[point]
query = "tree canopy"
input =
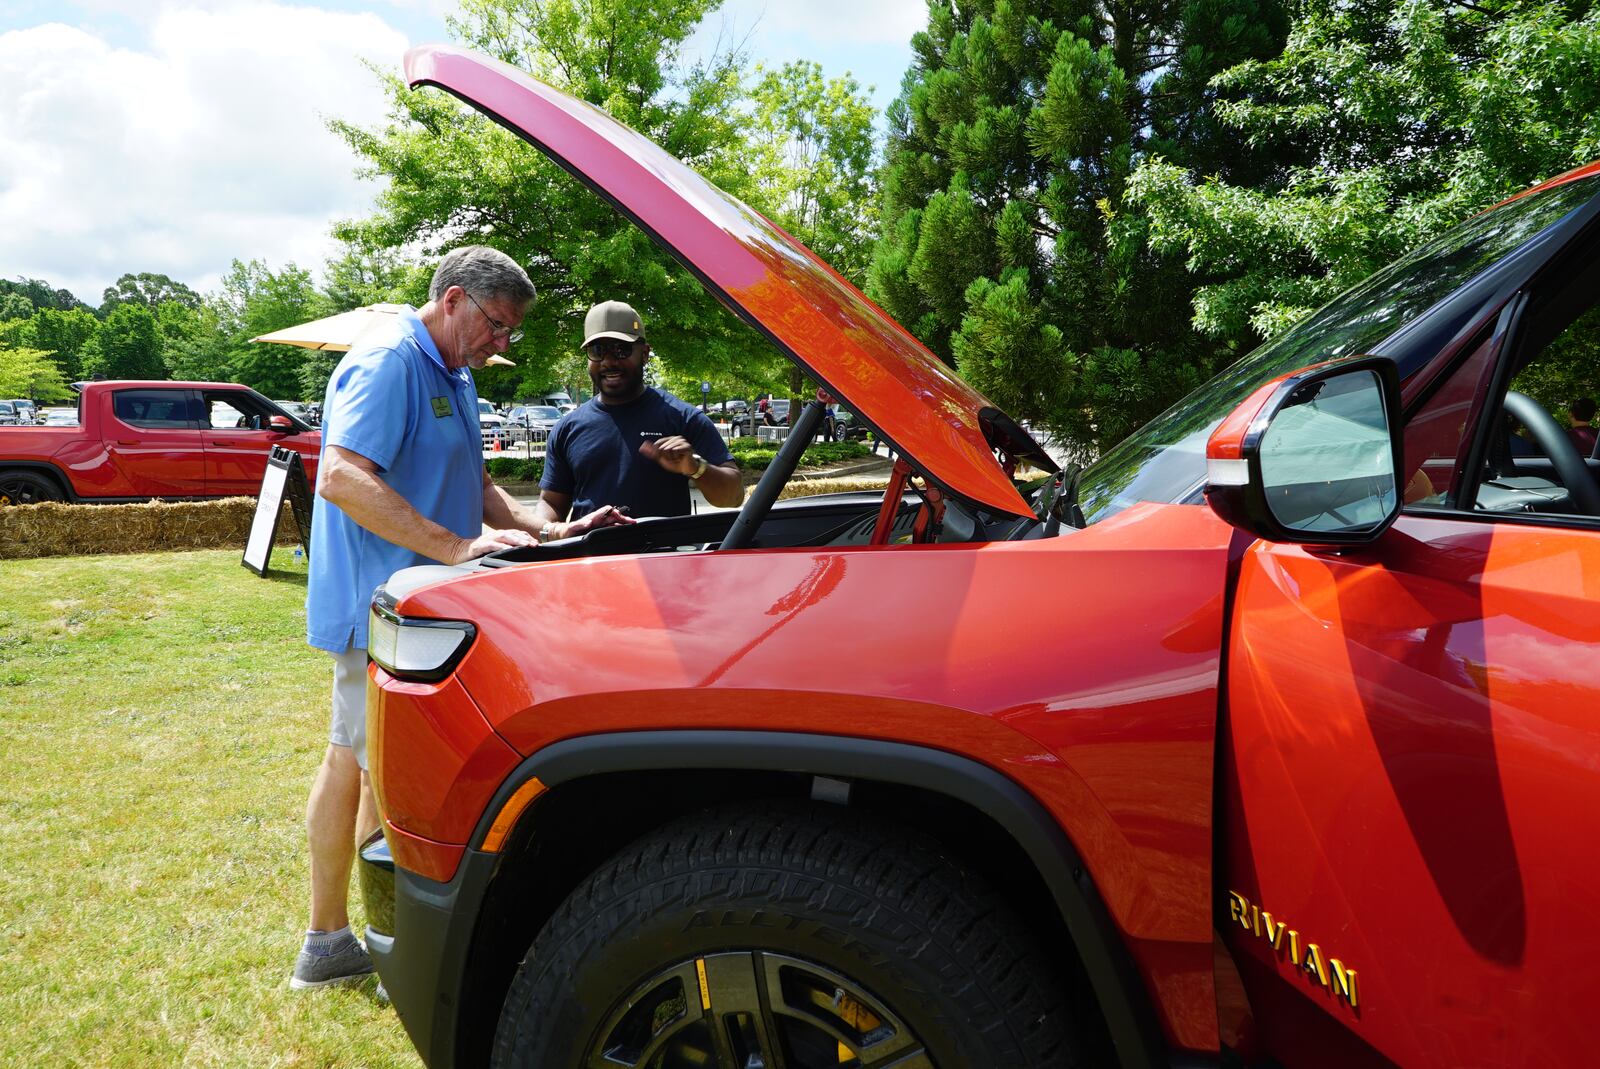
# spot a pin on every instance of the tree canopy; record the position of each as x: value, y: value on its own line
x: 1387, y: 124
x: 453, y: 177
x: 1008, y: 243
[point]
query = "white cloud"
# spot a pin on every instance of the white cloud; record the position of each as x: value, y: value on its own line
x: 205, y: 143
x: 889, y: 22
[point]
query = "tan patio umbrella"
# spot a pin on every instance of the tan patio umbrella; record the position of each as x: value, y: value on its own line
x: 340, y: 332
x: 336, y: 331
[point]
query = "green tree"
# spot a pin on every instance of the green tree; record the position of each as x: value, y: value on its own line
x: 1390, y: 123
x: 811, y: 162
x: 193, y: 343
x: 31, y: 373
x: 256, y: 300
x: 127, y: 346
x: 66, y: 334
x: 454, y: 177
x: 40, y: 294
x: 811, y: 155
x: 1007, y: 242
x: 148, y: 289
x: 14, y: 306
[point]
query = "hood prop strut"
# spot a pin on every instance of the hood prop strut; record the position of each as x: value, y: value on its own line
x: 743, y: 531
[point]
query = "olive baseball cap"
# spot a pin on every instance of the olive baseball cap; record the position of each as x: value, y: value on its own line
x: 612, y: 319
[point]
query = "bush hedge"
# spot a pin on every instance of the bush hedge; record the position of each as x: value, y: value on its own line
x: 515, y: 469
x: 755, y: 455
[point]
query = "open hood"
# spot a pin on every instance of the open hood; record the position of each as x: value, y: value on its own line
x: 939, y: 423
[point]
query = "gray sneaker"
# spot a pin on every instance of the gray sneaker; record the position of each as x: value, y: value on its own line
x: 345, y: 966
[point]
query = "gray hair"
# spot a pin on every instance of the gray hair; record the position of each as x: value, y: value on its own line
x: 485, y: 273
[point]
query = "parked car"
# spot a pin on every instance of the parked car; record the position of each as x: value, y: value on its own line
x: 301, y: 411
x: 27, y: 412
x: 492, y: 423
x: 771, y: 413
x: 136, y: 440
x: 535, y: 421
x: 1266, y: 740
x: 8, y: 415
x: 61, y: 417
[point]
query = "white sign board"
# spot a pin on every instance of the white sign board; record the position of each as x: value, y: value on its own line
x: 264, y: 525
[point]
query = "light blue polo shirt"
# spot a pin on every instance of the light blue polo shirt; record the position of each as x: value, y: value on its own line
x: 393, y: 402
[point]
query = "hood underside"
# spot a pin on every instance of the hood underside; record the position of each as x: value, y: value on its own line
x: 933, y: 418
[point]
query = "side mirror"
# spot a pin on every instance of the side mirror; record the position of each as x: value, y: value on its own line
x: 1313, y: 457
x: 281, y: 424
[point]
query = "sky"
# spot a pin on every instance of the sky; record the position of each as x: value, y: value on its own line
x: 173, y: 136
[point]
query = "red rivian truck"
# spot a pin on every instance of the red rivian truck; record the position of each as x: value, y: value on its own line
x: 1270, y: 738
x: 138, y: 440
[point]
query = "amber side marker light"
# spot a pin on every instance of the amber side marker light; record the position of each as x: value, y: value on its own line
x: 515, y: 806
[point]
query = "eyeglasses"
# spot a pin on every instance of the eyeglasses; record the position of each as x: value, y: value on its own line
x: 500, y: 329
x: 610, y: 349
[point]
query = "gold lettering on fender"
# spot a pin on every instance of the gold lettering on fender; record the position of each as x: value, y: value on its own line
x: 1275, y: 930
x: 1238, y: 908
x: 1330, y: 973
x: 1344, y: 982
x: 1316, y: 964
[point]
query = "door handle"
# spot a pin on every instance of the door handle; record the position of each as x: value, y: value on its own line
x: 127, y: 441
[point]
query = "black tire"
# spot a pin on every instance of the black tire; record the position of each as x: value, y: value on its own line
x: 830, y: 929
x: 26, y: 488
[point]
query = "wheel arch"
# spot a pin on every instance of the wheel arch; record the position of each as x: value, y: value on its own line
x: 913, y: 783
x: 43, y: 467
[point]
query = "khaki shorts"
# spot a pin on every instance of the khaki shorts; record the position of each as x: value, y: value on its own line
x: 348, y: 726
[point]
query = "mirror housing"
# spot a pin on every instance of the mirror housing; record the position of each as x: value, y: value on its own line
x: 1313, y: 457
x: 281, y: 424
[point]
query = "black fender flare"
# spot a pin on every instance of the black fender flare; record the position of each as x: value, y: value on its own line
x: 48, y: 470
x: 1117, y: 986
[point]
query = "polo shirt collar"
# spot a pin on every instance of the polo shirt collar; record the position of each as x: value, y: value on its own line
x: 419, y: 331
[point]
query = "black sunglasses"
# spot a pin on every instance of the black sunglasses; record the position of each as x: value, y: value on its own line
x: 610, y: 349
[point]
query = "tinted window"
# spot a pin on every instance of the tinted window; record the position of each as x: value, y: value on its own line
x: 1165, y: 460
x: 152, y: 408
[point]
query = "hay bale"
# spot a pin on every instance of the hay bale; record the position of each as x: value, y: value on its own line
x: 842, y: 484
x: 52, y: 529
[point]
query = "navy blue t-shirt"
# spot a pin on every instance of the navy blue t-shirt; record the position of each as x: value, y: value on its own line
x: 593, y: 454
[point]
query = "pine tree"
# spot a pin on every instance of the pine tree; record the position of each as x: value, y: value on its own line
x: 1007, y: 242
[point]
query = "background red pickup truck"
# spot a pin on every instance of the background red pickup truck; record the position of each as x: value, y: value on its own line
x: 139, y: 440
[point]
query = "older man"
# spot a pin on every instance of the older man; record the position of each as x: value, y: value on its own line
x: 401, y: 482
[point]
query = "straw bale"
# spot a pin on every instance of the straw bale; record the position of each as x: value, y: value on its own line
x: 53, y: 529
x: 842, y: 484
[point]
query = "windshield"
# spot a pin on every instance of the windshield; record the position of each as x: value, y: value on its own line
x: 1166, y: 460
x: 485, y: 408
x: 545, y: 413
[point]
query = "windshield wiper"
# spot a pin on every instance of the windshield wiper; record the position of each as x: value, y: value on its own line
x: 1055, y: 502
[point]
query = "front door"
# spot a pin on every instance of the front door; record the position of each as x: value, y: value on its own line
x: 1411, y: 751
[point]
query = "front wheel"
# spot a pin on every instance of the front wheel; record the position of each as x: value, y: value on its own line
x: 26, y: 488
x: 784, y: 936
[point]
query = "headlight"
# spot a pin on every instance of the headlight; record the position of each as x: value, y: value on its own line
x: 424, y: 650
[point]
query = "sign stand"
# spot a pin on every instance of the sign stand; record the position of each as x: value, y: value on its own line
x: 285, y: 474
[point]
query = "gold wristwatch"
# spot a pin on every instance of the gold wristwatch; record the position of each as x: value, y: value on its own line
x: 700, y: 466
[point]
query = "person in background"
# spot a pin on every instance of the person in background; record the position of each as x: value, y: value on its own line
x: 1582, y: 431
x: 630, y: 446
x: 400, y: 482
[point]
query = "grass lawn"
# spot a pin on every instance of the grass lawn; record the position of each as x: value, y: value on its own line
x: 160, y: 721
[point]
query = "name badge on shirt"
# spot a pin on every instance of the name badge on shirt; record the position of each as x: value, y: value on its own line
x: 441, y: 407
